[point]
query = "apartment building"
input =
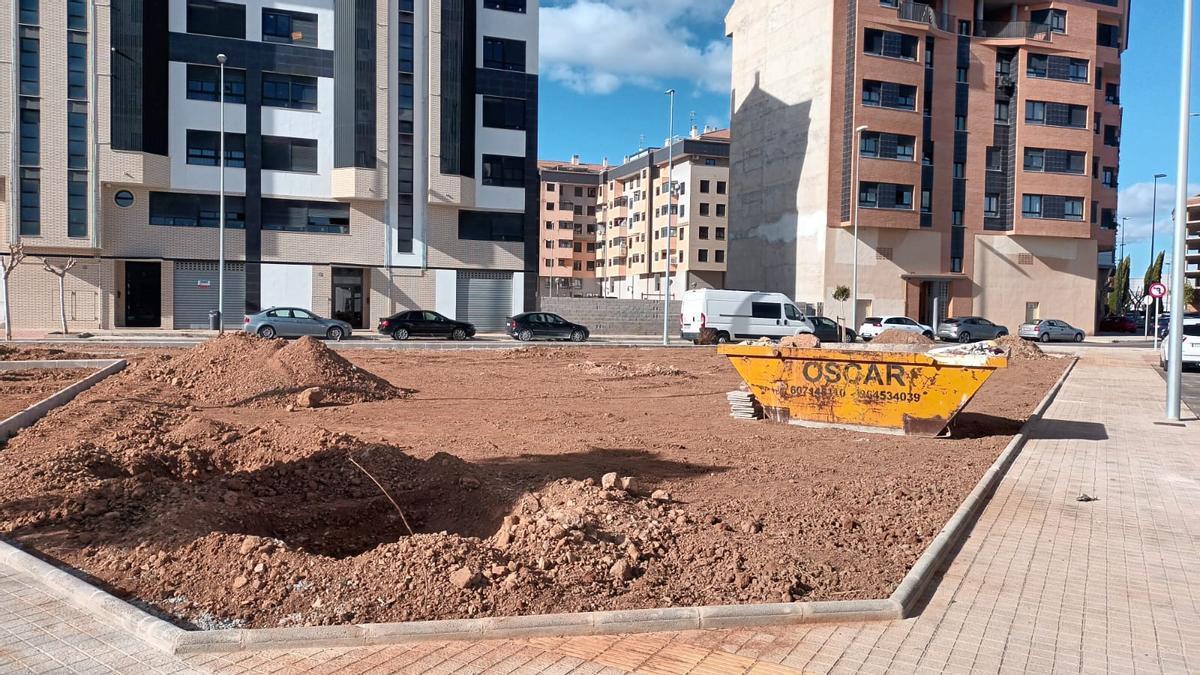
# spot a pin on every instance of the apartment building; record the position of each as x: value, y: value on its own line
x: 976, y: 142
x: 637, y: 210
x: 378, y: 155
x: 570, y: 199
x: 1191, y: 271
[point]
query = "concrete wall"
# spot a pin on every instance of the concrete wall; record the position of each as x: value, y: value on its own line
x: 610, y: 316
x: 1056, y: 272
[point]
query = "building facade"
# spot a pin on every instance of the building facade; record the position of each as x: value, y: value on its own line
x: 379, y: 155
x: 1191, y: 271
x: 570, y: 199
x: 636, y: 210
x: 975, y: 141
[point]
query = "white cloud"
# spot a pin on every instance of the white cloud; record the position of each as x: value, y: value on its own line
x: 1136, y: 203
x: 598, y: 46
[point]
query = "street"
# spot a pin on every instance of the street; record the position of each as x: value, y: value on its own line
x: 1190, y: 392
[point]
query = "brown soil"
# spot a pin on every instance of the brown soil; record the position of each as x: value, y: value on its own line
x: 234, y: 515
x: 20, y: 389
x: 895, y: 336
x: 8, y: 353
x: 1020, y: 349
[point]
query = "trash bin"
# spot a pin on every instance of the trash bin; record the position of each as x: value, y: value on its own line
x: 214, y: 320
x: 885, y: 389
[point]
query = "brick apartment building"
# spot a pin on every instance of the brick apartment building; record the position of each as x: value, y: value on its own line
x: 986, y: 178
x: 619, y: 219
x: 380, y: 155
x: 1191, y: 272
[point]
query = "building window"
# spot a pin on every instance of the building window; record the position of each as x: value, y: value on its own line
x: 281, y: 153
x: 1001, y: 112
x: 721, y: 187
x: 28, y: 12
x: 1108, y: 35
x: 704, y: 186
x: 505, y: 5
x: 504, y: 113
x: 504, y: 171
x: 223, y: 19
x: 298, y: 92
x: 1031, y: 206
x: 203, y: 146
x: 891, y: 44
x: 77, y: 195
x: 991, y: 205
x: 192, y: 210
x: 956, y: 217
x: 960, y: 170
x: 1112, y: 135
x: 123, y: 199
x: 702, y: 255
x: 77, y: 65
x: 889, y: 95
x: 885, y: 196
x: 960, y: 122
x: 549, y: 188
x: 887, y: 146
x: 486, y: 226
x: 1035, y: 159
x: 291, y: 28
x: 703, y: 233
x: 1056, y: 114
x: 926, y: 200
x: 203, y: 81
x: 1112, y: 93
x: 503, y: 54
x: 31, y: 202
x: 30, y: 68
x: 704, y: 208
x: 77, y: 135
x: 76, y: 14
x: 304, y: 216
x: 31, y: 133
x: 1057, y: 67
x: 1054, y: 19
x: 720, y: 210
x: 1110, y: 177
x: 995, y: 158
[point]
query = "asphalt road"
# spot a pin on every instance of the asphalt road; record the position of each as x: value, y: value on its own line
x: 1190, y: 392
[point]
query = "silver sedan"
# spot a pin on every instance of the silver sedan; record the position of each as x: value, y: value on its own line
x: 1050, y: 330
x: 294, y: 322
x: 969, y: 329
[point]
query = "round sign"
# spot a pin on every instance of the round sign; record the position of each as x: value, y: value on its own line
x: 1157, y: 290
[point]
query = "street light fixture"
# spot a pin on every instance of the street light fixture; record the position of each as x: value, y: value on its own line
x: 854, y: 214
x: 670, y: 215
x: 221, y: 208
x: 1179, y: 253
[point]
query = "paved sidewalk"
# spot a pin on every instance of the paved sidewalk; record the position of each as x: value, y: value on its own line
x: 1044, y: 583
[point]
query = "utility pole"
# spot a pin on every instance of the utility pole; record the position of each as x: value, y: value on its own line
x: 854, y: 188
x: 670, y: 216
x: 221, y: 212
x: 1179, y: 253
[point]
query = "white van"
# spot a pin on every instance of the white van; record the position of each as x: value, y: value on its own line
x: 740, y: 315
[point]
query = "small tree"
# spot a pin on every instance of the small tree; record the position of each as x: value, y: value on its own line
x: 1189, y: 295
x: 1118, y: 298
x: 16, y: 253
x: 841, y: 294
x: 61, y: 273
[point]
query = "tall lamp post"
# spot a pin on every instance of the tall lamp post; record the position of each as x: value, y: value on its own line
x: 670, y: 215
x: 1179, y: 253
x: 221, y: 208
x: 854, y: 214
x: 1123, y: 219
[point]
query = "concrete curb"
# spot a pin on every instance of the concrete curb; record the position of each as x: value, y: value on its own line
x: 174, y: 640
x: 35, y: 412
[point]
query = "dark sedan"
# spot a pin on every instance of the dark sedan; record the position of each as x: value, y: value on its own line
x: 545, y: 326
x: 423, y: 323
x: 1118, y: 324
x: 828, y: 330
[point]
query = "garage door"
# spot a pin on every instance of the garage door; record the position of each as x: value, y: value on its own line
x: 485, y: 299
x: 196, y: 293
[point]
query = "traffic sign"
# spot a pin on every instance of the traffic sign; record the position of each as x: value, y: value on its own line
x: 1158, y: 290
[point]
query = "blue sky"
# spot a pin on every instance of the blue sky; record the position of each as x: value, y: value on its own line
x: 606, y: 63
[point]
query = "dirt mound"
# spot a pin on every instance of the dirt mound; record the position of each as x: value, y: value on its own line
x: 9, y: 353
x: 618, y: 370
x: 895, y: 336
x: 539, y: 353
x: 802, y: 341
x: 240, y: 369
x: 1020, y: 349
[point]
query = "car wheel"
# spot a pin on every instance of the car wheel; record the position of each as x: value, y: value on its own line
x: 400, y: 334
x: 335, y: 333
x: 928, y: 334
x: 525, y: 335
x: 459, y: 334
x: 722, y: 338
x: 1162, y: 363
x: 1079, y: 337
x: 267, y: 332
x: 964, y: 337
x: 1044, y: 337
x: 1001, y: 334
x: 578, y: 336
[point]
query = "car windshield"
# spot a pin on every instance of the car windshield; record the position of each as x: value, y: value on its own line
x: 871, y: 319
x: 951, y: 320
x: 1192, y: 330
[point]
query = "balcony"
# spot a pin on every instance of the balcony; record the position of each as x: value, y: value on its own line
x: 1012, y: 30
x: 920, y: 12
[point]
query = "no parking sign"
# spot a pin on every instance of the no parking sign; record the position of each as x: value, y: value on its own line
x: 1158, y: 289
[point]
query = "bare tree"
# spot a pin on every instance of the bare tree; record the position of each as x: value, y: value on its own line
x: 61, y: 273
x: 16, y: 253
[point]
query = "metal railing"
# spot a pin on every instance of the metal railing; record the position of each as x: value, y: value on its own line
x: 1016, y: 30
x: 920, y: 12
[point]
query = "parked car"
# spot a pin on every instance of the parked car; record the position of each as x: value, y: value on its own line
x: 424, y: 323
x: 969, y: 329
x: 294, y: 322
x: 1118, y: 324
x: 740, y: 315
x: 1164, y: 322
x: 828, y: 330
x: 1191, y: 345
x: 874, y: 325
x: 545, y: 326
x: 1050, y: 330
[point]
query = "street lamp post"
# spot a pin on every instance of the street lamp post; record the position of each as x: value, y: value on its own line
x: 670, y: 215
x: 1179, y: 252
x: 854, y: 214
x: 1123, y: 219
x: 221, y: 207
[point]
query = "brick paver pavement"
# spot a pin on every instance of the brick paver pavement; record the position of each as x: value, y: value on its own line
x: 1044, y: 583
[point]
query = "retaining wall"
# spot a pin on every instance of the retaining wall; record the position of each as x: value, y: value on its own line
x: 612, y: 316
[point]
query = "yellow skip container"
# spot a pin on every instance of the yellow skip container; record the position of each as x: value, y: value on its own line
x: 891, y: 389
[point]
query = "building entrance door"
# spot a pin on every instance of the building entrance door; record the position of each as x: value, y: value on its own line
x: 348, y: 295
x: 143, y: 294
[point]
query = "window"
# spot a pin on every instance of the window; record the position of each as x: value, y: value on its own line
x: 77, y: 66
x: 720, y: 210
x: 1112, y: 135
x: 703, y: 233
x: 960, y: 170
x: 192, y: 210
x: 995, y: 158
x: 30, y: 68
x: 504, y: 171
x: 721, y: 187
x: 1035, y: 159
x: 708, y: 161
x: 1058, y: 67
x: 702, y: 255
x: 1054, y: 19
x: 1056, y: 114
x: 31, y: 135
x: 203, y: 146
x: 549, y: 188
x: 889, y: 95
x: 887, y: 146
x: 503, y: 54
x: 28, y: 12
x: 77, y: 135
x: 505, y: 5
x: 123, y: 199
x: 77, y: 196
x: 1031, y: 206
x: 203, y: 81
x: 578, y: 192
x: 1112, y: 93
x: 719, y: 257
x: 704, y: 208
x: 549, y: 244
x: 76, y: 13
x: 888, y: 43
x: 281, y: 153
x: 1110, y: 177
x: 1001, y: 112
x: 704, y: 186
x: 223, y: 19
x: 289, y: 91
x: 504, y: 113
x: 31, y: 202
x: 927, y: 153
x: 885, y: 196
x: 303, y: 216
x: 291, y: 28
x: 960, y: 74
x: 991, y: 205
x: 1108, y: 35
x: 926, y: 200
x: 960, y: 122
x: 765, y: 310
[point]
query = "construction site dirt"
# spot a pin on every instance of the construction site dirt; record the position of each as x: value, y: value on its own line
x: 20, y: 389
x: 452, y: 484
